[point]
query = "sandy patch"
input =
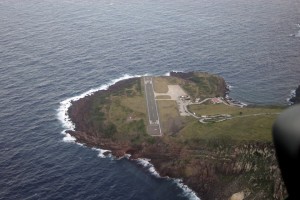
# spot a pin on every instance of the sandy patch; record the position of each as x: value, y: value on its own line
x: 238, y: 196
x: 174, y: 91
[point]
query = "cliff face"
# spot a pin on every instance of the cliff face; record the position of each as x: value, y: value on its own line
x: 296, y: 98
x: 213, y: 172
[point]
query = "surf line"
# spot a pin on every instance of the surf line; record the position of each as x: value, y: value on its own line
x: 62, y: 111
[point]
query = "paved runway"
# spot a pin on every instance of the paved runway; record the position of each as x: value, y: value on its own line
x: 154, y: 125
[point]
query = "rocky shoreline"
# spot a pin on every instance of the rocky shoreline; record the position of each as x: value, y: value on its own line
x: 296, y: 97
x: 207, y: 174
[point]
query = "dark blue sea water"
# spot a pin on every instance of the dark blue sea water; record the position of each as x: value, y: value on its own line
x: 52, y: 50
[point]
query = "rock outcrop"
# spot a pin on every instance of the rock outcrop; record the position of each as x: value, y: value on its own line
x: 296, y: 98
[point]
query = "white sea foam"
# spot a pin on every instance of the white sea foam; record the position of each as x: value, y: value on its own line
x: 101, y: 152
x: 62, y: 111
x: 186, y: 190
x: 69, y: 138
x: 146, y: 163
x: 190, y: 194
x: 167, y: 74
x: 229, y: 86
x: 127, y: 156
x: 177, y: 71
x: 236, y: 102
x: 291, y: 95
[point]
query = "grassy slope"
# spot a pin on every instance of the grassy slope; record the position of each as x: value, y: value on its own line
x: 242, y: 128
x: 213, y: 109
x: 253, y: 128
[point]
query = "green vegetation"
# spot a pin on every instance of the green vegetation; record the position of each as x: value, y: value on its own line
x: 204, y: 85
x: 120, y: 115
x: 252, y: 128
x: 168, y: 112
x: 163, y: 97
x: 214, y: 109
x: 218, y: 151
x: 160, y: 84
x: 123, y: 113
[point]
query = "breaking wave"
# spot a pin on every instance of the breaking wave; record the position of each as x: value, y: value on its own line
x: 146, y: 164
x: 186, y: 190
x: 62, y: 111
x: 102, y: 152
x: 291, y: 95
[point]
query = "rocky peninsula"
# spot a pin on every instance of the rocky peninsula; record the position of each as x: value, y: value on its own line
x: 220, y: 159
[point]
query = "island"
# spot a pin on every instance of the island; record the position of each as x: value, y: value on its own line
x: 189, y: 129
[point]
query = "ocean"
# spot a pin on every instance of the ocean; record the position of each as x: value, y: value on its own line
x: 54, y: 50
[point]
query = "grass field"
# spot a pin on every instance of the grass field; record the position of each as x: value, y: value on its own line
x: 137, y: 103
x: 160, y: 84
x: 214, y: 109
x: 253, y: 128
x: 243, y: 128
x: 163, y: 97
x: 167, y: 111
x: 120, y: 114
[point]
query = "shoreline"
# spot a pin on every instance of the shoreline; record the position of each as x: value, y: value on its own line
x: 68, y: 125
x: 152, y: 161
x: 62, y: 111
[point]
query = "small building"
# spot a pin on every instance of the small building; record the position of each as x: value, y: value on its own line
x: 216, y: 100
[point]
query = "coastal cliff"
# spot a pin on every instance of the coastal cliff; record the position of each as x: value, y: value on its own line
x: 215, y: 168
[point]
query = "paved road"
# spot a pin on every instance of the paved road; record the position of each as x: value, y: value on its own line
x: 154, y: 125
